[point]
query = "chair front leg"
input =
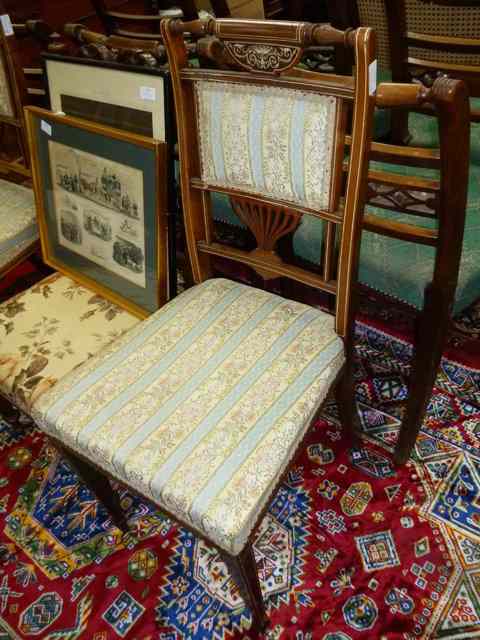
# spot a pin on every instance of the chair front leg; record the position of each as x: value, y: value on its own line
x: 99, y: 485
x: 244, y: 571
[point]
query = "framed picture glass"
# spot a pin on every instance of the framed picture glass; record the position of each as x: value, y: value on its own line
x: 131, y: 98
x: 101, y: 201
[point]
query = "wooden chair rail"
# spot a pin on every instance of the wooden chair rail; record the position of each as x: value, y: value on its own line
x: 400, y: 230
x: 339, y: 89
x: 331, y: 216
x: 265, y: 266
x: 448, y: 43
x: 300, y: 34
x: 397, y: 154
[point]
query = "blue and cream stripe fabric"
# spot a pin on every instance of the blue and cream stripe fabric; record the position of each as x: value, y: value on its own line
x: 201, y: 406
x: 271, y: 141
x: 18, y: 220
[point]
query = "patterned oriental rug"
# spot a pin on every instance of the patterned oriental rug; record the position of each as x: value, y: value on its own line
x: 352, y: 547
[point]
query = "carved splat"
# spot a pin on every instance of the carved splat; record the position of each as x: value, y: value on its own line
x: 268, y: 224
x: 263, y: 57
x: 423, y: 203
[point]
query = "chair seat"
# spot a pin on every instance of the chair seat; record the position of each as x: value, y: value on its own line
x: 48, y: 330
x: 201, y: 407
x: 18, y: 224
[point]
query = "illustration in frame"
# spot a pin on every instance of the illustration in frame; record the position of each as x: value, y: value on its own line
x: 102, y: 207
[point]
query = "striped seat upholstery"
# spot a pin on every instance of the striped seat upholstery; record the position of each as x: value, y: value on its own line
x: 18, y: 223
x: 201, y: 406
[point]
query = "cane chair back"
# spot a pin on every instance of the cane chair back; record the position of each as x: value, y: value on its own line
x: 424, y: 35
x: 272, y: 138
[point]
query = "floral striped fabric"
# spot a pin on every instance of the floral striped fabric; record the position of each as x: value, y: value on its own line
x: 201, y: 406
x: 18, y: 220
x: 270, y: 141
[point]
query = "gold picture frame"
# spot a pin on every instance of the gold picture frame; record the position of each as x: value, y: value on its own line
x: 102, y: 207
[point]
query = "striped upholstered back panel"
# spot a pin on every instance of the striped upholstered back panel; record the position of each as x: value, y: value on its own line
x: 270, y: 141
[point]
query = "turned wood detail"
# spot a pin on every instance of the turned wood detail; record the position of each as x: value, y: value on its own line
x: 98, y: 46
x: 272, y: 47
x: 268, y: 223
x: 415, y: 201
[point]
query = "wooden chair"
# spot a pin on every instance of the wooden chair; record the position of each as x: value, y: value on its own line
x: 226, y: 339
x: 178, y: 376
x: 419, y: 40
x: 442, y: 200
x: 21, y: 83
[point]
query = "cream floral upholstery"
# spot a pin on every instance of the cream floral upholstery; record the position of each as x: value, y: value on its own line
x: 50, y: 329
x: 205, y: 402
x: 18, y: 224
x: 267, y: 140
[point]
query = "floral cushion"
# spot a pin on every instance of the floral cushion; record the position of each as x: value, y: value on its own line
x: 50, y: 329
x: 202, y: 406
x: 18, y: 224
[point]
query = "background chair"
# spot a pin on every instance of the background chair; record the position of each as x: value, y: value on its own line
x: 22, y: 82
x: 429, y: 212
x: 419, y: 40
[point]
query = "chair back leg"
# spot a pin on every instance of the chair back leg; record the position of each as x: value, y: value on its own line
x: 243, y: 569
x: 431, y: 337
x: 100, y: 486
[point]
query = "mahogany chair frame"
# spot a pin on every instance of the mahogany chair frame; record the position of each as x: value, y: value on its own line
x: 446, y: 202
x: 435, y: 318
x: 270, y: 219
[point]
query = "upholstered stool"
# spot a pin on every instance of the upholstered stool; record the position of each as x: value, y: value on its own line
x: 18, y: 224
x: 48, y: 330
x: 201, y: 407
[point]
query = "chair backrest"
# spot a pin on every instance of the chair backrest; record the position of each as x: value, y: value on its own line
x: 21, y: 83
x: 271, y: 136
x: 443, y: 35
x: 440, y: 199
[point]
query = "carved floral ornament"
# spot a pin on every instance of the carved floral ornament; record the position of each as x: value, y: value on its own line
x: 263, y: 57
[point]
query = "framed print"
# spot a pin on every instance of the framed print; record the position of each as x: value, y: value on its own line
x: 123, y: 96
x: 131, y: 98
x: 101, y: 205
